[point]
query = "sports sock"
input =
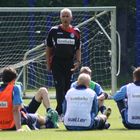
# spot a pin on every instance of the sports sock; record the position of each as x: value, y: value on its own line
x: 102, y: 109
x: 48, y: 109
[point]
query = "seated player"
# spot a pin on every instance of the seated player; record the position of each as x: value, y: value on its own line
x: 42, y: 97
x: 128, y: 102
x: 12, y: 109
x: 81, y: 107
x: 101, y: 95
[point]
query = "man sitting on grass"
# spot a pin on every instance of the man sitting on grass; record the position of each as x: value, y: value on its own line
x: 128, y: 102
x: 13, y: 114
x: 81, y: 107
x: 101, y: 95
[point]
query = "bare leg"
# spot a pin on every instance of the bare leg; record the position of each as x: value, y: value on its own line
x: 42, y: 96
x: 101, y: 99
x: 101, y: 103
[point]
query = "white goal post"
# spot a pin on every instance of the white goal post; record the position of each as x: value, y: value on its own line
x: 23, y: 31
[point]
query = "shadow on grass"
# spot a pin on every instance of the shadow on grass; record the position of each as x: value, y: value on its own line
x: 111, y: 129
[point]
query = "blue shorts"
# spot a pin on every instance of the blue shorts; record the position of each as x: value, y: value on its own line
x: 126, y: 123
x: 123, y: 110
x: 99, y: 123
x: 31, y: 120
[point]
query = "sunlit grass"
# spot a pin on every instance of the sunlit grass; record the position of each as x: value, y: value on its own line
x: 116, y: 131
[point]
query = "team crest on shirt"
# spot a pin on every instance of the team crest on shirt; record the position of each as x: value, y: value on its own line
x: 3, y: 104
x: 72, y: 35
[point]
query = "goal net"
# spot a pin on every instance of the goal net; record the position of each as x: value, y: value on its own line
x: 24, y: 30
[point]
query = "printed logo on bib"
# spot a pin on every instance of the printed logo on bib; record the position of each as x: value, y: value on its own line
x: 76, y: 119
x: 65, y: 41
x: 3, y: 104
x: 135, y: 117
x: 136, y: 95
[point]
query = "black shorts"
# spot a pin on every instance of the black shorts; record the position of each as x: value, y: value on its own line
x: 33, y: 106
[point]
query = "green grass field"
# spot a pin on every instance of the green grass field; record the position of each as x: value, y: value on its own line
x: 116, y: 131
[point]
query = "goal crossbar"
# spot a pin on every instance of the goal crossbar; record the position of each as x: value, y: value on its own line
x: 31, y: 25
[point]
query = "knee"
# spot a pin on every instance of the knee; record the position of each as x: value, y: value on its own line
x: 42, y: 92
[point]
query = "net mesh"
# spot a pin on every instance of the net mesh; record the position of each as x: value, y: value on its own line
x: 23, y: 31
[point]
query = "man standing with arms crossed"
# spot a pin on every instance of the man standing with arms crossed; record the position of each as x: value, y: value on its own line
x: 63, y: 46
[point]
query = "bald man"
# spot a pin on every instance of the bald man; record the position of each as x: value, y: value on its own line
x: 81, y: 107
x: 63, y: 54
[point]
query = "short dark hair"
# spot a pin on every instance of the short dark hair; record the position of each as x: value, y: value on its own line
x: 136, y: 74
x: 8, y: 75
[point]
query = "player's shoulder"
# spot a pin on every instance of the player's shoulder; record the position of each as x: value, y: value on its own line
x: 18, y: 87
x: 53, y: 30
x: 90, y: 91
x: 97, y: 84
x: 74, y: 84
x: 129, y: 85
x: 72, y: 89
x: 54, y: 27
x: 76, y: 29
x: 17, y: 90
x: 92, y: 82
x: 70, y: 92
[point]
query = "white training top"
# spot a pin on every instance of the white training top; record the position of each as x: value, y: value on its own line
x: 79, y: 106
x: 133, y: 93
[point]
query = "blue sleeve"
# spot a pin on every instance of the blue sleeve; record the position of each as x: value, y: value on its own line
x: 95, y: 106
x: 17, y: 98
x: 20, y: 85
x: 73, y: 85
x: 64, y: 106
x: 121, y: 94
x: 98, y: 89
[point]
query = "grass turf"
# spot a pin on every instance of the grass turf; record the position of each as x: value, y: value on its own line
x: 116, y: 131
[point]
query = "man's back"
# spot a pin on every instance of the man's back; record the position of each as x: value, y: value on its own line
x: 133, y: 95
x: 81, y: 104
x: 6, y: 105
